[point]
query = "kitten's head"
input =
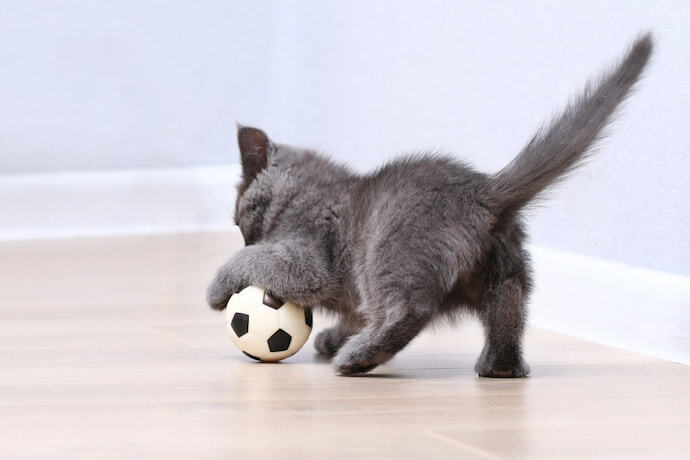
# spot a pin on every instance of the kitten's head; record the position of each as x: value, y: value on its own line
x: 280, y: 193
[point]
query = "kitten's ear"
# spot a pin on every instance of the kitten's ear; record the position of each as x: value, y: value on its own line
x: 255, y: 148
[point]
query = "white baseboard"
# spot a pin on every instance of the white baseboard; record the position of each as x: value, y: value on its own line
x: 632, y: 308
x: 117, y: 202
x: 645, y: 311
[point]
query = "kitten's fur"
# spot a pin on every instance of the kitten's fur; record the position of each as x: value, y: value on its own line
x: 422, y: 237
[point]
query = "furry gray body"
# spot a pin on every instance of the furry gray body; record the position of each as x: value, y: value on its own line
x: 422, y: 237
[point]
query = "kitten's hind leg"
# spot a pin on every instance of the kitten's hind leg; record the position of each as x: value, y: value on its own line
x: 382, y: 337
x: 503, y: 315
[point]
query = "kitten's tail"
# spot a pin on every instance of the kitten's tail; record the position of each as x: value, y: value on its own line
x: 564, y: 143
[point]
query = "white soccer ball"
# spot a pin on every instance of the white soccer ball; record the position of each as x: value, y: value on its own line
x: 264, y: 328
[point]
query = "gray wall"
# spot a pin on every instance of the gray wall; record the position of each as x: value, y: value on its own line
x: 142, y: 84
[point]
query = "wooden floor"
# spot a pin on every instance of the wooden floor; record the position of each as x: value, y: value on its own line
x: 107, y: 350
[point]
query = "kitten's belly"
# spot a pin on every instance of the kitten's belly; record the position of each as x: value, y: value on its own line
x: 463, y: 295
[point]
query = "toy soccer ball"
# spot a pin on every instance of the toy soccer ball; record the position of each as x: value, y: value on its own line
x: 264, y: 328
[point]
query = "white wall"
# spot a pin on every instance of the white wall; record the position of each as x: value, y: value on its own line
x: 123, y: 84
x: 99, y: 85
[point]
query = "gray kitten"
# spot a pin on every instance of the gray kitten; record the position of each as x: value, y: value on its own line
x: 420, y: 238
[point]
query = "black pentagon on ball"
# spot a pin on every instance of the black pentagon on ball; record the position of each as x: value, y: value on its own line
x: 270, y: 300
x: 279, y: 341
x: 308, y: 316
x: 240, y: 324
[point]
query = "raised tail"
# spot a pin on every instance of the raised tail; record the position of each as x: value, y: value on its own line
x: 561, y: 145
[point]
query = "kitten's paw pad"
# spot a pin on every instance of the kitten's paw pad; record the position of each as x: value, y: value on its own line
x: 358, y: 362
x: 499, y: 374
x: 354, y: 368
x: 519, y: 371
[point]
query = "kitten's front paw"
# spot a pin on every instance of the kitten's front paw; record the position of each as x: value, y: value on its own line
x: 329, y: 341
x: 219, y: 292
x: 217, y: 303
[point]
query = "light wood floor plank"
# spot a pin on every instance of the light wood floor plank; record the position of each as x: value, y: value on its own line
x: 108, y: 351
